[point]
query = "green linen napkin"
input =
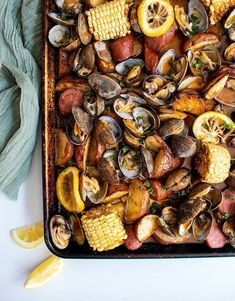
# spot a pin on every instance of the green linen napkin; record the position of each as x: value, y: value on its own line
x: 20, y: 37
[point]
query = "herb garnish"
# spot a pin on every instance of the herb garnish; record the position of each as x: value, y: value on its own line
x: 154, y: 208
x: 196, y: 64
x: 125, y: 150
x: 193, y: 17
x: 65, y: 16
x: 150, y: 189
x: 227, y: 126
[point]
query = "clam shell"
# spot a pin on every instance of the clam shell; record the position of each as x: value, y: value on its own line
x: 59, y: 35
x: 124, y: 67
x: 198, y: 15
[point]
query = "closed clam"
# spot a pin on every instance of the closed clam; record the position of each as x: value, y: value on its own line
x: 79, y: 127
x: 84, y: 63
x: 143, y: 122
x: 83, y: 29
x: 102, y: 51
x: 105, y: 86
x: 169, y: 215
x: 157, y: 90
x: 179, y: 179
x: 229, y: 53
x: 182, y: 146
x: 170, y: 127
x: 108, y: 131
x: 59, y: 35
x: 60, y: 231
x: 129, y: 162
x: 201, y: 226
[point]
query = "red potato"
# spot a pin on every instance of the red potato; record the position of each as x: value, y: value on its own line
x: 132, y: 243
x: 64, y: 148
x: 216, y: 238
x: 63, y: 64
x: 159, y: 193
x: 163, y: 163
x: 228, y: 203
x: 72, y: 82
x: 158, y: 43
x: 122, y: 48
x: 81, y: 154
x: 116, y: 191
x: 137, y: 202
x: 151, y: 59
x: 145, y: 227
x: 68, y: 98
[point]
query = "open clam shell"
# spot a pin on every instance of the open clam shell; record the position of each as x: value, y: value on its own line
x: 198, y: 16
x: 70, y: 6
x: 148, y: 161
x: 125, y: 67
x: 165, y: 64
x: 60, y: 231
x: 77, y: 229
x: 84, y: 63
x: 201, y: 226
x: 59, y: 35
x: 129, y: 162
x: 125, y: 103
x: 58, y: 18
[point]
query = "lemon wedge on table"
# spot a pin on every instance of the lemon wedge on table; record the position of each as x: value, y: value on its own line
x: 44, y: 272
x: 155, y: 17
x: 212, y: 127
x: 28, y: 237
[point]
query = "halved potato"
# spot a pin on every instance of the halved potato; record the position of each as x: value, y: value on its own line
x: 72, y: 82
x: 145, y: 227
x: 163, y: 163
x: 116, y: 191
x: 137, y: 202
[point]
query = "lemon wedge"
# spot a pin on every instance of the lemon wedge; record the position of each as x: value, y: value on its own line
x: 28, y: 237
x: 44, y: 272
x: 155, y: 17
x: 213, y: 127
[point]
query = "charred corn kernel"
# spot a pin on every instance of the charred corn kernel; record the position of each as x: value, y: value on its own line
x: 103, y: 227
x: 213, y: 163
x: 217, y: 8
x: 109, y: 20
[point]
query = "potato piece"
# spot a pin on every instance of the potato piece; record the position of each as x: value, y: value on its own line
x: 64, y: 148
x: 163, y: 163
x: 116, y: 191
x: 73, y: 82
x: 145, y: 227
x: 159, y: 192
x: 122, y: 48
x: 81, y: 154
x: 189, y: 101
x: 132, y: 243
x: 137, y: 202
x: 63, y: 65
x: 157, y: 43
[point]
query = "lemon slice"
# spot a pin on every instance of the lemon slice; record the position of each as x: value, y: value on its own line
x: 44, y: 272
x: 212, y: 127
x: 155, y: 17
x: 67, y: 189
x: 28, y: 237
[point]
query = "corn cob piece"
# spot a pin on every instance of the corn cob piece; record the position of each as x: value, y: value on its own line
x: 103, y: 228
x: 217, y: 8
x: 213, y: 163
x: 109, y: 20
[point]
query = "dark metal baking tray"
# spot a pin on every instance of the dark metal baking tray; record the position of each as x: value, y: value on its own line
x: 51, y: 205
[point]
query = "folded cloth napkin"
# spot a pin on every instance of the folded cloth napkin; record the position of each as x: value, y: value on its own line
x: 20, y: 38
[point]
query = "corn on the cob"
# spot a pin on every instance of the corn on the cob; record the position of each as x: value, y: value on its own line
x: 217, y: 8
x: 213, y: 163
x: 109, y: 20
x: 103, y: 228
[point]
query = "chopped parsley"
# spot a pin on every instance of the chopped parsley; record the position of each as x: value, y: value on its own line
x: 228, y: 196
x: 89, y: 93
x: 223, y: 216
x: 142, y: 142
x: 140, y: 118
x: 195, y: 29
x: 125, y: 150
x: 147, y: 184
x: 227, y: 126
x: 150, y: 189
x: 65, y: 16
x: 196, y: 64
x: 154, y: 208
x: 193, y: 17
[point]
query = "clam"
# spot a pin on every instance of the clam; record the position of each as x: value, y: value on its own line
x: 158, y: 90
x: 129, y: 162
x: 108, y: 131
x: 125, y: 67
x: 79, y: 127
x: 131, y: 140
x: 134, y: 77
x: 61, y: 19
x: 73, y: 44
x: 60, y: 231
x: 229, y: 230
x: 230, y: 25
x: 231, y: 142
x: 179, y: 69
x: 105, y: 86
x: 208, y: 193
x: 201, y: 226
x: 94, y: 105
x: 229, y: 53
x: 171, y: 126
x: 198, y: 15
x: 206, y: 59
x: 125, y: 103
x: 94, y: 189
x: 143, y: 122
x: 83, y: 29
x: 169, y: 215
x: 70, y: 6
x: 184, y: 228
x: 103, y: 51
x: 182, y: 146
x: 195, y: 82
x: 137, y: 47
x: 77, y: 229
x: 148, y: 161
x: 108, y: 167
x: 165, y: 64
x: 167, y: 229
x: 59, y: 35
x: 84, y: 63
x: 179, y: 179
x: 189, y: 209
x: 183, y: 20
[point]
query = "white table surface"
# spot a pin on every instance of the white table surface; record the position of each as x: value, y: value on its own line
x: 88, y: 280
